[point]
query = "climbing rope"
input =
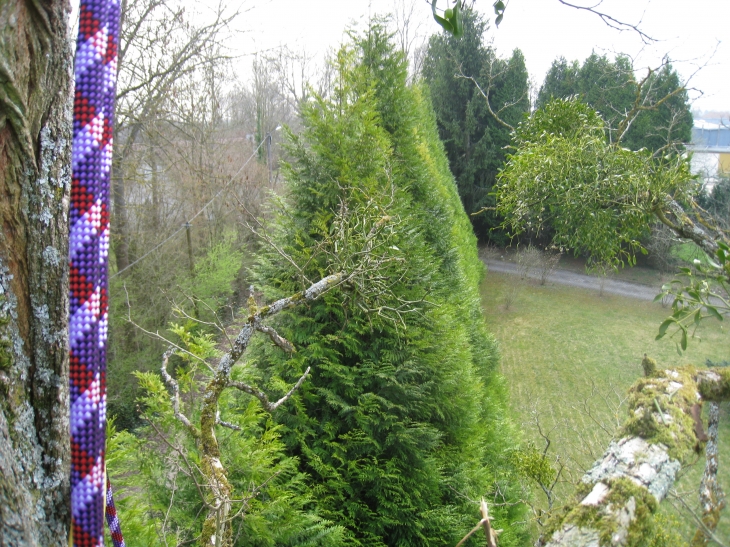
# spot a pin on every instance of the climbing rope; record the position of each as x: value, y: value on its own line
x: 95, y: 74
x: 111, y: 518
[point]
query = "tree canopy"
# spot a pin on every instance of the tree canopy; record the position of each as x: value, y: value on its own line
x: 655, y: 109
x: 404, y: 411
x: 473, y: 137
x: 595, y: 196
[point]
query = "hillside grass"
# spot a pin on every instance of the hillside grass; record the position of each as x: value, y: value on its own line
x: 568, y: 357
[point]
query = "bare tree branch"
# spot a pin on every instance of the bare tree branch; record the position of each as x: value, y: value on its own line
x: 261, y: 396
x: 176, y: 395
x: 670, y: 213
x: 276, y: 338
x: 612, y: 21
x: 485, y: 94
x: 485, y: 524
x: 709, y: 533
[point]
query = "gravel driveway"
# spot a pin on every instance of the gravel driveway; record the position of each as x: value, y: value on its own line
x: 584, y: 281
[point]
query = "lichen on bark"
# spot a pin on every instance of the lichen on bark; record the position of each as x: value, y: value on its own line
x: 616, y: 499
x: 620, y: 515
x: 35, y: 150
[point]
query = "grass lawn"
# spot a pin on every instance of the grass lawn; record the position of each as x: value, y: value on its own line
x: 569, y: 356
x: 689, y: 252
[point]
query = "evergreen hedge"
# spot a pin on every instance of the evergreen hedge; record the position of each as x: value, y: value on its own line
x: 402, y: 420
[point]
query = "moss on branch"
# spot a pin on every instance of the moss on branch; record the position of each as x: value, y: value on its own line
x: 616, y: 499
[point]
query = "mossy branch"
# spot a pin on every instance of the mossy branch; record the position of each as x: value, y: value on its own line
x: 671, y: 214
x: 617, y: 497
x: 261, y: 396
x: 712, y: 498
x: 218, y: 490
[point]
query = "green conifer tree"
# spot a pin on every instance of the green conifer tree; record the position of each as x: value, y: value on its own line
x: 611, y: 88
x: 474, y: 140
x: 402, y: 419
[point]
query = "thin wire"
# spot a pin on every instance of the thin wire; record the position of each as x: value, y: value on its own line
x: 196, y: 215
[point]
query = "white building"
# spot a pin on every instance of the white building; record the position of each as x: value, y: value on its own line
x: 710, y: 149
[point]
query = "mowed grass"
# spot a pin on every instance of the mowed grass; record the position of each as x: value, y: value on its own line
x: 569, y: 355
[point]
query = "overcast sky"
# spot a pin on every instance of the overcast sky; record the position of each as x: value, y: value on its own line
x: 689, y: 32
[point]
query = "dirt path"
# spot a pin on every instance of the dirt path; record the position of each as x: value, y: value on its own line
x: 584, y: 281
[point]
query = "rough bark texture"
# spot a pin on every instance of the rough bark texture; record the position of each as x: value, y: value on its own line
x: 616, y: 498
x: 712, y: 498
x: 35, y: 151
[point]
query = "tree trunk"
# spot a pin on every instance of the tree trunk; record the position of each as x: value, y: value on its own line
x: 35, y: 159
x: 120, y: 224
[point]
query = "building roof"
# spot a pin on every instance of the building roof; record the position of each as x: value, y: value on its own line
x: 713, y: 133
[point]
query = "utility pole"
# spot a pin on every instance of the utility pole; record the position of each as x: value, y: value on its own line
x: 192, y: 266
x: 268, y: 153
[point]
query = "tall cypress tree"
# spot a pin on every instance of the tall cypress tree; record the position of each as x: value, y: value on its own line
x: 474, y: 140
x: 403, y: 412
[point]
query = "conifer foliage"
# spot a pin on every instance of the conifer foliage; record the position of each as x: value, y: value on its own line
x: 474, y: 139
x: 401, y: 421
x: 612, y: 88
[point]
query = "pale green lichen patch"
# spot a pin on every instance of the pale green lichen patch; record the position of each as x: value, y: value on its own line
x: 719, y: 389
x: 623, y: 516
x: 659, y: 411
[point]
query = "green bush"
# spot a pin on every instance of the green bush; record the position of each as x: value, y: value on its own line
x: 160, y: 489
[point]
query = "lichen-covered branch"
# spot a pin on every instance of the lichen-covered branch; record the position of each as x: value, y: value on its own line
x: 276, y: 338
x: 712, y: 498
x: 671, y: 214
x: 176, y: 395
x: 216, y: 528
x: 616, y: 498
x: 262, y: 397
x: 244, y: 337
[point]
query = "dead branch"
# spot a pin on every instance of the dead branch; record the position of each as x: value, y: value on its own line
x: 276, y: 338
x: 261, y: 396
x: 707, y: 532
x: 181, y: 453
x: 671, y: 214
x: 229, y: 425
x: 485, y: 94
x: 158, y: 336
x: 612, y: 22
x: 176, y: 396
x: 485, y: 524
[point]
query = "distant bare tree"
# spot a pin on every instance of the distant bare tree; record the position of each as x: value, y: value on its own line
x: 161, y: 42
x: 298, y: 75
x: 410, y: 32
